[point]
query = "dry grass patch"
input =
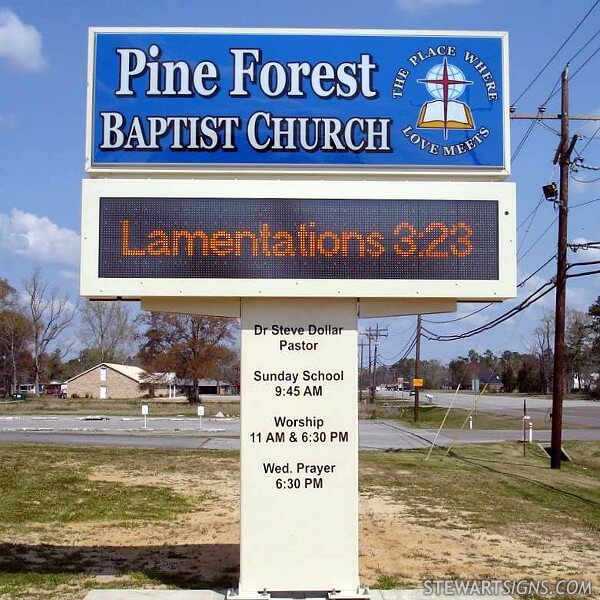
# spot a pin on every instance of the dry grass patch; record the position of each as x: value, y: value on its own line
x: 152, y: 518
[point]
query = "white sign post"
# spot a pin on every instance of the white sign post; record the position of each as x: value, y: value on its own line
x: 200, y: 415
x: 299, y: 446
x: 145, y: 414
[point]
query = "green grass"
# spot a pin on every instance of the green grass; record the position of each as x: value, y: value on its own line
x: 30, y: 586
x: 488, y: 488
x: 52, y: 484
x: 46, y: 405
x: 385, y: 581
x: 430, y: 417
x: 42, y: 487
x: 493, y: 485
x: 46, y: 586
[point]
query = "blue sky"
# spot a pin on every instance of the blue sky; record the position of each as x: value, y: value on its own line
x: 43, y: 62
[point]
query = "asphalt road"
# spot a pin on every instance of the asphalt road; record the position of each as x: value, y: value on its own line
x: 185, y: 432
x: 575, y: 412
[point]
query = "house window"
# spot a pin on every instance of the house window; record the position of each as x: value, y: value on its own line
x: 102, y: 373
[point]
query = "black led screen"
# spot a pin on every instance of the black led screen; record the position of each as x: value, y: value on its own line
x: 298, y: 238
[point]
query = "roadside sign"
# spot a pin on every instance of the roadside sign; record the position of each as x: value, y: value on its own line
x: 215, y: 238
x: 280, y: 176
x: 386, y: 101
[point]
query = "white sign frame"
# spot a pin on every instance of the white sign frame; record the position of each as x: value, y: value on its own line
x: 462, y: 173
x: 94, y: 287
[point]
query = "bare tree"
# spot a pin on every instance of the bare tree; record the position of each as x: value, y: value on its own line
x: 108, y: 328
x: 541, y: 346
x: 579, y: 341
x: 50, y: 314
x: 14, y: 335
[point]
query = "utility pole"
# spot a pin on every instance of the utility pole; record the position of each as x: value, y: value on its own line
x: 374, y: 364
x: 373, y: 337
x: 563, y: 158
x: 361, y: 345
x: 417, y: 368
x: 370, y: 361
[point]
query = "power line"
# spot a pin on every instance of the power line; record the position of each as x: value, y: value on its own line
x: 589, y: 141
x: 546, y: 126
x: 404, y: 350
x: 571, y: 275
x: 394, y: 360
x: 519, y: 285
x: 586, y: 61
x: 532, y: 212
x: 523, y: 141
x: 460, y: 318
x: 584, y: 46
x: 585, y: 203
x: 533, y: 215
x: 584, y: 180
x: 536, y: 271
x: 583, y: 64
x: 403, y: 331
x: 554, y: 87
x: 549, y: 61
x: 538, y: 240
x: 583, y: 263
x: 531, y: 299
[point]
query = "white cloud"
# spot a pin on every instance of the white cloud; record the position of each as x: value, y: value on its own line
x: 72, y: 275
x: 426, y: 6
x: 20, y: 44
x: 38, y: 239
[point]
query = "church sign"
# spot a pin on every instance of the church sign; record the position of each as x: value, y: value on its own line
x: 303, y: 100
x: 296, y: 179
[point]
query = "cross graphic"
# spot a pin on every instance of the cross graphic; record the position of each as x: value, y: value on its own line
x: 445, y: 83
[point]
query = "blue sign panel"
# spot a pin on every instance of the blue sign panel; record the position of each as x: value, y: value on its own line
x: 380, y: 100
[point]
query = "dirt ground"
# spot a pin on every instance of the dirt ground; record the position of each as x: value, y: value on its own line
x: 202, y: 546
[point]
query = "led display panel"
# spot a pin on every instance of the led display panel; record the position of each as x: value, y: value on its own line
x: 275, y: 238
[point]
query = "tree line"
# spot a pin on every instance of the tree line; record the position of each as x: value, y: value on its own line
x: 46, y: 337
x: 525, y: 372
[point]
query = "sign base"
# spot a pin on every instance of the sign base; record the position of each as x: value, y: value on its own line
x: 144, y: 594
x: 299, y: 447
x: 362, y: 593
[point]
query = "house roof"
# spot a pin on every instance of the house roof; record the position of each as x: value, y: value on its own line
x: 135, y: 373
x: 203, y: 382
x: 159, y: 378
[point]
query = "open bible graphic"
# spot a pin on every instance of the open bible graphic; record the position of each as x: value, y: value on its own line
x: 458, y: 116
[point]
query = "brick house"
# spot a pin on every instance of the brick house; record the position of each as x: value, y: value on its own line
x: 108, y: 380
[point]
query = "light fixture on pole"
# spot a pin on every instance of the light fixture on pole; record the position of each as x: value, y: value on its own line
x: 550, y: 192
